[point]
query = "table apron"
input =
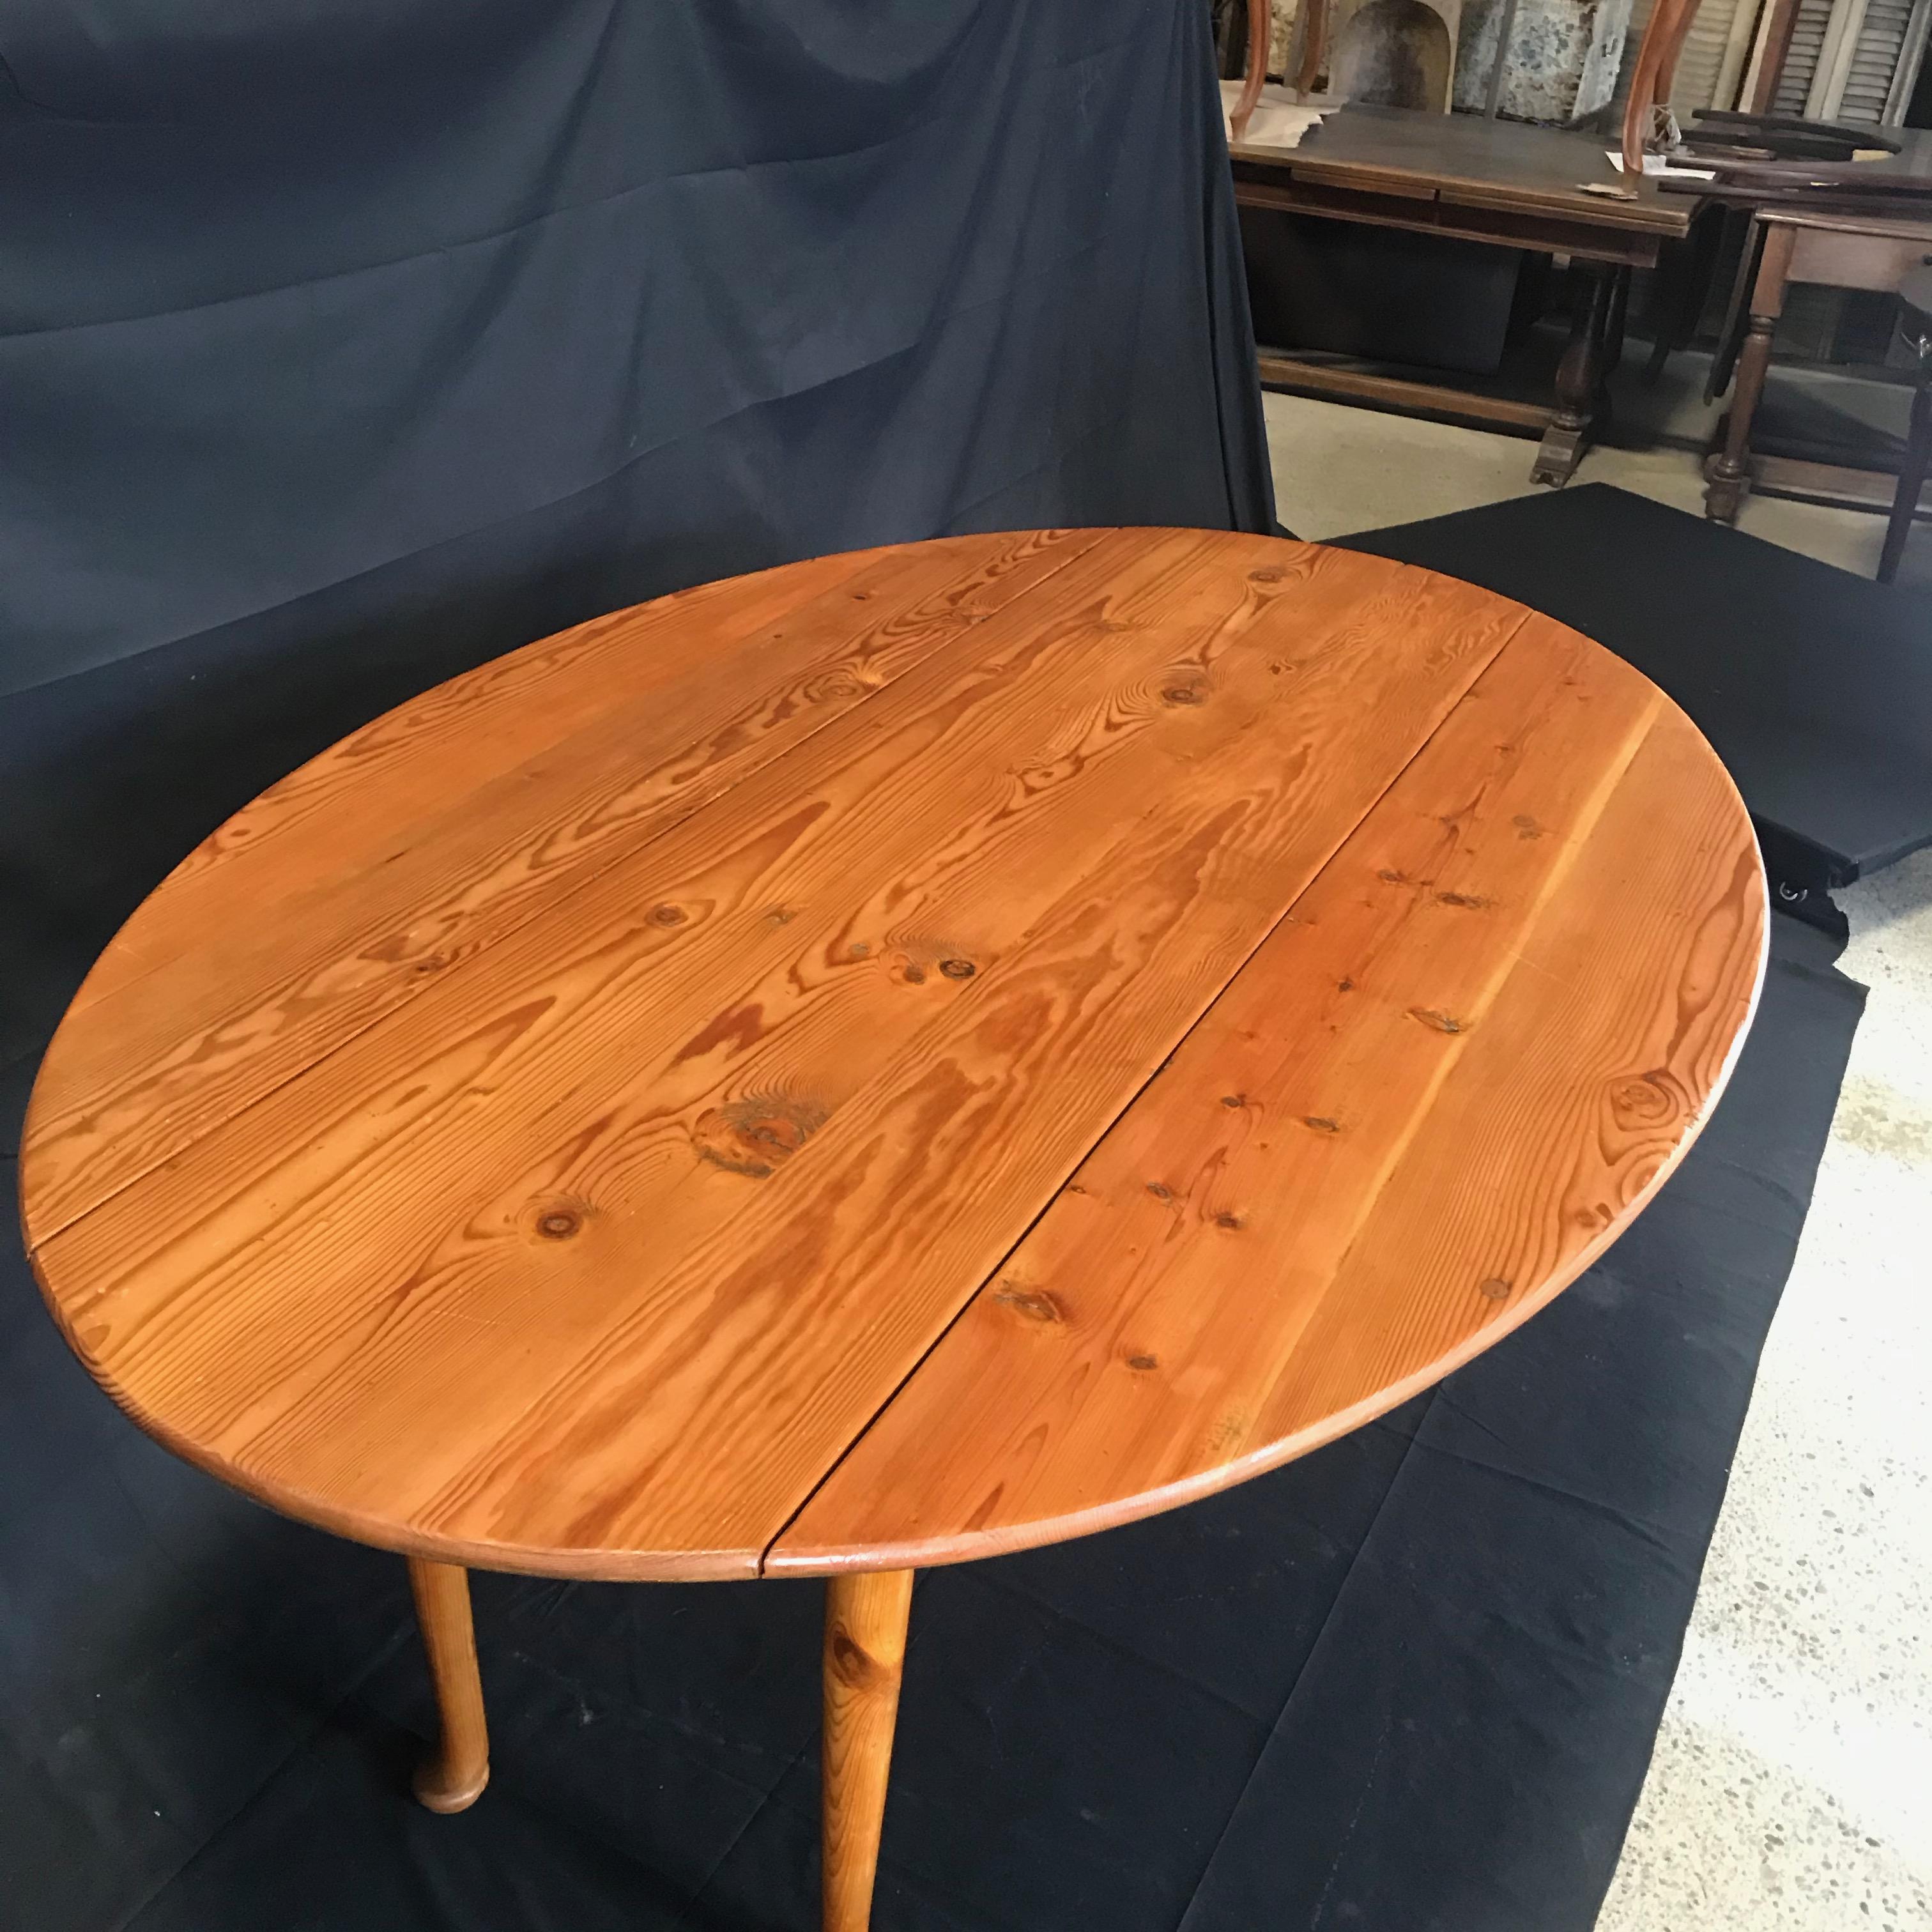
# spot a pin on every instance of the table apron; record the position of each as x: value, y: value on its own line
x: 1430, y: 213
x: 1846, y: 261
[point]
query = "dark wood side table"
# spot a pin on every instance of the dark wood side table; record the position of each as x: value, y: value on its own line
x: 1492, y: 181
x: 1801, y: 244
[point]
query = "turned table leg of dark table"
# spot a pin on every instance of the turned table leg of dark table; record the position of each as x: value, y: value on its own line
x: 1728, y: 473
x: 865, y: 1651
x: 1619, y: 318
x: 455, y: 1777
x: 1579, y: 375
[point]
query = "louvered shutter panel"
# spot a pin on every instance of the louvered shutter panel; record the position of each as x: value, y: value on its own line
x: 1801, y: 63
x: 1874, y: 61
x: 1695, y: 84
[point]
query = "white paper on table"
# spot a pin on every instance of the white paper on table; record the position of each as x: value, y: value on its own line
x: 1656, y: 164
x: 1281, y: 116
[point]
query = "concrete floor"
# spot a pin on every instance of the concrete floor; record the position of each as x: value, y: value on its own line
x: 1791, y: 1790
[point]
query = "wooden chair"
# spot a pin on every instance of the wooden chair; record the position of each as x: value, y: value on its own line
x: 1651, y: 78
x: 1261, y: 28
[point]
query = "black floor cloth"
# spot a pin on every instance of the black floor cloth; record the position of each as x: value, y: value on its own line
x: 1814, y: 684
x: 1410, y: 1682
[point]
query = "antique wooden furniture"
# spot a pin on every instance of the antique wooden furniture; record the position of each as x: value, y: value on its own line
x: 1655, y: 67
x: 888, y: 1060
x: 1254, y: 70
x: 1795, y: 243
x: 1492, y: 181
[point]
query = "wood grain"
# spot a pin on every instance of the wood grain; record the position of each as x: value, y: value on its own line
x: 865, y: 1618
x: 346, y: 889
x: 596, y: 1250
x: 1477, y: 1044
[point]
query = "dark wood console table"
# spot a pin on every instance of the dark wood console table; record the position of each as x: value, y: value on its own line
x: 1495, y: 181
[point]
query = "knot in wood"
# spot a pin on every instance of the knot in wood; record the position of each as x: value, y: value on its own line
x: 1183, y: 693
x: 958, y: 969
x: 559, y: 1224
x: 916, y: 975
x: 1646, y: 1101
x: 1143, y: 1362
x: 853, y: 1666
x: 754, y: 1135
x: 668, y: 915
x: 1034, y: 1304
x: 1494, y: 1289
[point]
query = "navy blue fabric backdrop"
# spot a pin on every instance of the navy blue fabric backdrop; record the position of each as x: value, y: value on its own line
x: 532, y: 311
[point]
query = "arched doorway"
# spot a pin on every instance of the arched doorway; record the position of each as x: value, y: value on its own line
x: 1395, y: 53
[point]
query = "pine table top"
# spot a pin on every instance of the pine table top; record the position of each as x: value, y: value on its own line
x: 895, y: 1058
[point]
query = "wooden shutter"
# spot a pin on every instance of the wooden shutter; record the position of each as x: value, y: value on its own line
x: 1712, y: 61
x: 1701, y: 65
x: 1801, y: 62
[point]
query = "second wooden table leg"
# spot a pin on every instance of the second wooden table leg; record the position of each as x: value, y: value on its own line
x: 1728, y: 471
x: 455, y: 1777
x: 1579, y: 377
x: 865, y: 1650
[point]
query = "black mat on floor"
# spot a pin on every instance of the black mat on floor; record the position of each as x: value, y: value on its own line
x: 1814, y: 685
x: 1411, y: 1682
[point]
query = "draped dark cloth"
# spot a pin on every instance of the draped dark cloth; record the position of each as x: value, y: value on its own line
x: 316, y: 317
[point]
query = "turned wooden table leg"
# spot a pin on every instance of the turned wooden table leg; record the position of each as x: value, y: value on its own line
x: 865, y: 1648
x: 1619, y: 317
x: 1729, y: 472
x: 1579, y: 378
x: 455, y: 1777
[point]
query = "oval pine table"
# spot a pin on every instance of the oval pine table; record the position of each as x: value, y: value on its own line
x: 890, y: 1061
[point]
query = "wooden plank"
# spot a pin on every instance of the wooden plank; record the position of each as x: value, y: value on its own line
x: 1806, y: 482
x: 1841, y: 259
x: 1384, y: 184
x: 349, y: 887
x: 1427, y: 1101
x: 595, y: 1256
x: 1528, y: 170
x: 1773, y: 41
x: 1470, y: 217
x: 1838, y: 221
x: 1324, y: 379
